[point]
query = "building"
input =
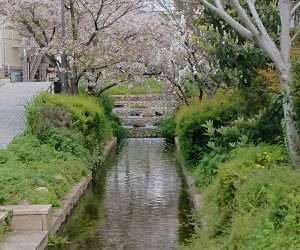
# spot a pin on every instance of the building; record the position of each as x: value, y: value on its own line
x: 16, y: 62
x: 11, y: 62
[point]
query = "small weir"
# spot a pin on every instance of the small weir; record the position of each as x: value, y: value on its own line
x: 136, y: 201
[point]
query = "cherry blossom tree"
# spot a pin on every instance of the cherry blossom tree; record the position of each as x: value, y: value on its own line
x: 187, y: 63
x: 102, y: 36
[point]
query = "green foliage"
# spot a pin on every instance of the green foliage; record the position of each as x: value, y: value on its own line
x: 62, y: 139
x: 82, y: 114
x: 252, y: 203
x: 269, y: 128
x: 63, y: 143
x: 168, y: 129
x: 296, y: 92
x: 192, y: 134
x: 233, y: 53
x: 57, y: 240
x: 107, y: 103
x: 147, y: 87
x: 208, y: 167
x: 28, y: 164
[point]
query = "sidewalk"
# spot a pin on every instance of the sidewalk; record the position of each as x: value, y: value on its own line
x: 13, y: 97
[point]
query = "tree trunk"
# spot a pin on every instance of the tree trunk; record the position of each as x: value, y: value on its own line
x: 293, y: 139
x: 200, y: 97
x: 74, y: 80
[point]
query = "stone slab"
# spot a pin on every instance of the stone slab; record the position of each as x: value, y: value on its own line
x: 147, y: 121
x: 27, y: 209
x: 143, y: 132
x: 25, y: 240
x: 3, y: 216
x: 142, y: 111
x: 143, y: 104
x: 141, y: 97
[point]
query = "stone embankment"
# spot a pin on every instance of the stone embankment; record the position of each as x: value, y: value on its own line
x: 141, y: 114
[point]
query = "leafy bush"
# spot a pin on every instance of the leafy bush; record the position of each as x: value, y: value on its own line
x: 82, y: 114
x: 190, y: 120
x: 108, y: 103
x: 270, y: 206
x: 269, y: 128
x: 296, y: 93
x: 168, y: 129
x: 67, y: 141
x: 208, y: 167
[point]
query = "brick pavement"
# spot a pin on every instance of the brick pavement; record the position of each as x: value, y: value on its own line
x: 13, y: 97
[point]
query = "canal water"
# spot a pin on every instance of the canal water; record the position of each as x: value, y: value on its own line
x: 137, y: 201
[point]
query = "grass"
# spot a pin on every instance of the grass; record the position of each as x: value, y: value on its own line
x: 148, y: 87
x: 253, y: 202
x: 28, y: 164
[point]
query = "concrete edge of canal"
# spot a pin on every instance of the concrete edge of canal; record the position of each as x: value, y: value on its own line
x: 195, y: 196
x: 31, y: 224
x: 76, y: 192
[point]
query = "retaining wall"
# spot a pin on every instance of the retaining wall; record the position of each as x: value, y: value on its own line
x: 195, y: 197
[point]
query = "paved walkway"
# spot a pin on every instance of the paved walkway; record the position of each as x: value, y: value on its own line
x: 13, y: 97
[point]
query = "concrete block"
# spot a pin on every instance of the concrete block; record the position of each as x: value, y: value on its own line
x: 3, y: 216
x: 30, y: 217
x: 25, y: 240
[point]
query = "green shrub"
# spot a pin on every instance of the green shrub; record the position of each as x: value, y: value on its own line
x: 245, y: 162
x: 190, y: 120
x: 168, y: 129
x: 296, y: 92
x: 267, y: 211
x: 82, y: 113
x: 269, y: 127
x: 107, y: 103
x: 62, y: 139
x: 208, y: 167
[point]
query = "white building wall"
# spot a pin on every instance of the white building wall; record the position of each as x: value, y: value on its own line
x: 10, y: 51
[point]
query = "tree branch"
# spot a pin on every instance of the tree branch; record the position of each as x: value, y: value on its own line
x: 295, y: 8
x: 244, y: 32
x: 285, y: 39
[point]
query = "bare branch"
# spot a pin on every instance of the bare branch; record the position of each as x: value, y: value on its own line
x: 295, y: 8
x: 244, y: 32
x: 257, y: 19
x: 285, y: 39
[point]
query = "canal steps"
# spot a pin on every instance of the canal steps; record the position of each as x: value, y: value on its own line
x: 140, y: 114
x: 29, y: 225
x: 25, y: 240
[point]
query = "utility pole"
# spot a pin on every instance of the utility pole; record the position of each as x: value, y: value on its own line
x: 64, y: 75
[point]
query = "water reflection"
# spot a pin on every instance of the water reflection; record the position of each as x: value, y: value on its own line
x: 132, y: 204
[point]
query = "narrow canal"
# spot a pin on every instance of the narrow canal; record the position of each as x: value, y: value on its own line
x: 137, y: 201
